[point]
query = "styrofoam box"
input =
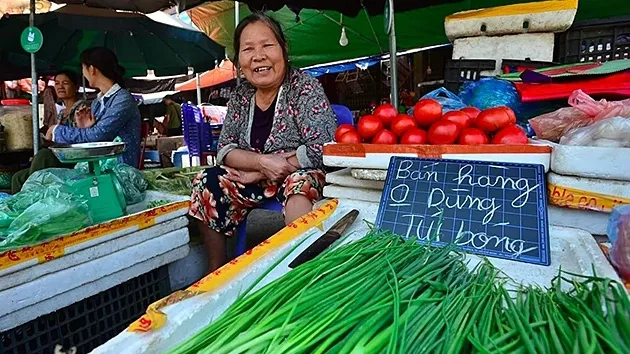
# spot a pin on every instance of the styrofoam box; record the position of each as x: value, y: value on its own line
x: 593, y: 222
x: 375, y: 156
x: 572, y: 250
x: 593, y: 186
x: 540, y: 16
x: 535, y: 46
x: 53, y: 291
x: 588, y: 161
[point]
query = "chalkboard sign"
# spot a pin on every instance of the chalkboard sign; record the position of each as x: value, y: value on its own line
x: 488, y: 208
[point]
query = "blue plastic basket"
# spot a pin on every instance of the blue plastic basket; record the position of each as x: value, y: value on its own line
x: 197, y: 133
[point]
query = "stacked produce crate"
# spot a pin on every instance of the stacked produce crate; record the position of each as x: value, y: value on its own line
x: 482, y: 39
x: 585, y: 183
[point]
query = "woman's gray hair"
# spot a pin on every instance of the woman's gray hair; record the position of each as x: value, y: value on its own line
x: 273, y: 24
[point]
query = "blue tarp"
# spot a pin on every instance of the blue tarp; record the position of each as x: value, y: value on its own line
x: 338, y: 68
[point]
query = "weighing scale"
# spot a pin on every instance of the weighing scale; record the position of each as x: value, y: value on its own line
x: 102, y: 190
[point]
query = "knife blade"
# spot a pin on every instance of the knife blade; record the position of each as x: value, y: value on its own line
x: 327, y: 239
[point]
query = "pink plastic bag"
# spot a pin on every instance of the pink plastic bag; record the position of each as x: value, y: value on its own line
x: 619, y: 234
x: 584, y: 111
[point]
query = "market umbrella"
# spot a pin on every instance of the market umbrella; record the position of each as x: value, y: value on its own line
x: 143, y: 6
x: 346, y: 7
x: 140, y: 43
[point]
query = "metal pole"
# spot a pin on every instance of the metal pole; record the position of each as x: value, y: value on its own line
x: 237, y: 19
x: 35, y: 87
x: 393, y: 60
x: 198, y: 80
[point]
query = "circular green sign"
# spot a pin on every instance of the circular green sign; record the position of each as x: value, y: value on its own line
x: 386, y: 17
x: 31, y: 39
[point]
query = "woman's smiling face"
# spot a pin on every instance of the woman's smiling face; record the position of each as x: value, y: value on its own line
x: 261, y: 56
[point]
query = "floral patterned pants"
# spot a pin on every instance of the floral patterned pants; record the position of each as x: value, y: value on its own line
x: 223, y: 205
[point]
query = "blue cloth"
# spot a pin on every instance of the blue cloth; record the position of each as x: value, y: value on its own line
x: 119, y: 116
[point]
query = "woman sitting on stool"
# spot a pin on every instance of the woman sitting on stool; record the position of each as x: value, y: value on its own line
x: 271, y: 144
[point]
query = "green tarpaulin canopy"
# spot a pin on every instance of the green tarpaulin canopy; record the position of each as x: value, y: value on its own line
x: 315, y: 39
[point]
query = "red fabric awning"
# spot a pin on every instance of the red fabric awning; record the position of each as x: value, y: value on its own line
x: 223, y: 73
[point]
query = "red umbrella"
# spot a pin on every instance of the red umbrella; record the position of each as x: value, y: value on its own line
x: 223, y: 73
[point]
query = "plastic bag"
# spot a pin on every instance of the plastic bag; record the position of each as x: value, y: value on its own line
x: 489, y: 93
x: 4, y: 196
x: 610, y: 132
x: 133, y: 184
x: 619, y: 235
x: 35, y: 215
x: 49, y: 178
x: 583, y: 112
x: 448, y: 100
x: 44, y: 219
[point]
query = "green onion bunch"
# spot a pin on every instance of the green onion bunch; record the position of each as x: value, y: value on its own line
x: 382, y: 294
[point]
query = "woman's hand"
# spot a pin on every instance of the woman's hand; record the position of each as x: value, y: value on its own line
x: 243, y: 177
x: 49, y: 133
x: 84, y: 118
x: 276, y: 166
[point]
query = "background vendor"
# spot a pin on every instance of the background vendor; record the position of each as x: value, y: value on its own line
x: 114, y: 112
x: 66, y: 90
x: 172, y: 124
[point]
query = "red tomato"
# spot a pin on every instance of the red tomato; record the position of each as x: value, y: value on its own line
x: 443, y: 132
x: 385, y: 137
x: 458, y: 117
x: 427, y: 112
x: 472, y: 136
x: 494, y: 119
x: 386, y: 112
x: 414, y: 136
x: 401, y: 124
x: 471, y: 111
x: 369, y: 126
x: 350, y: 137
x: 342, y: 129
x: 512, y: 134
x: 510, y: 113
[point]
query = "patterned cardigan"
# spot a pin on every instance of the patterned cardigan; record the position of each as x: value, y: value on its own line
x: 303, y: 121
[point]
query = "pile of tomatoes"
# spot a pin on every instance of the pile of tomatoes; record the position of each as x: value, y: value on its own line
x: 429, y: 125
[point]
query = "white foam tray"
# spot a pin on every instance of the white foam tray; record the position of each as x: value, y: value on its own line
x: 108, y: 236
x: 594, y: 162
x: 84, y: 255
x: 571, y: 249
x: 345, y: 178
x: 21, y: 301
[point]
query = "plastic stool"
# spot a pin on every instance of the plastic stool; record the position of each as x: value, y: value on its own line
x: 343, y: 113
x: 241, y: 237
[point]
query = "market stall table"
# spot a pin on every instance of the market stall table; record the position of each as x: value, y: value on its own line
x: 54, y: 275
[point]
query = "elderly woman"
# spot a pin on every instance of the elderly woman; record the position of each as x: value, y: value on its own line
x: 271, y: 144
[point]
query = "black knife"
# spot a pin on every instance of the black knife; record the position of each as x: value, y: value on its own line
x: 327, y: 239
